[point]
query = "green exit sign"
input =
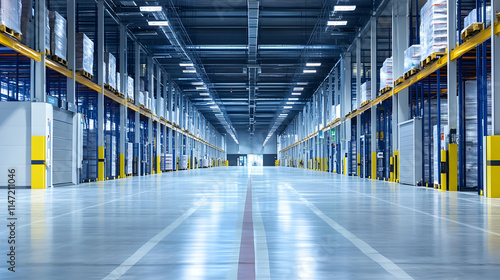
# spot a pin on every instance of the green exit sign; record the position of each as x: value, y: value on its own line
x: 334, y: 135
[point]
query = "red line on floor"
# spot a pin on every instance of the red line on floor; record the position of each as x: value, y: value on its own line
x: 246, y: 265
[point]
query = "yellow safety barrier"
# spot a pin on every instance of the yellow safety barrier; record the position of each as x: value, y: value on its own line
x: 493, y: 166
x: 345, y: 169
x: 359, y: 165
x: 444, y: 171
x: 122, y: 166
x: 189, y: 163
x: 38, y: 163
x: 158, y: 164
x: 100, y: 164
x: 276, y: 163
x: 374, y: 165
x: 453, y: 167
x: 391, y: 172
x: 396, y: 166
x: 325, y: 164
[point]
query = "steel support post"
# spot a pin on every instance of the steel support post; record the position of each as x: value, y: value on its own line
x: 358, y: 101
x: 373, y: 81
x: 137, y: 124
x: 39, y: 88
x: 100, y: 97
x: 151, y: 91
x: 71, y: 20
x: 123, y: 108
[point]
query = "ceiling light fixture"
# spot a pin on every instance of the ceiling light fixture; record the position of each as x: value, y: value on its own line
x: 309, y: 71
x: 298, y: 89
x: 197, y: 83
x: 186, y: 64
x: 288, y: 107
x: 344, y: 8
x: 150, y: 8
x: 158, y: 23
x: 293, y: 99
x: 337, y: 22
x: 296, y: 93
x: 201, y: 88
x: 204, y: 94
x: 313, y: 64
x: 290, y: 103
x: 302, y: 84
x: 189, y: 71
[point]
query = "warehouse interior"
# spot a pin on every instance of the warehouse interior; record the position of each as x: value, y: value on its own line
x: 250, y: 139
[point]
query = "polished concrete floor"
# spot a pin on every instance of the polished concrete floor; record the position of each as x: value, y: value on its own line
x: 258, y: 223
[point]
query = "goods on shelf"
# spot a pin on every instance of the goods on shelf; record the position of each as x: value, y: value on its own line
x: 10, y: 14
x: 161, y: 109
x: 386, y: 79
x: 148, y: 100
x: 153, y: 105
x: 412, y: 58
x: 58, y: 39
x: 366, y: 92
x: 141, y: 98
x: 130, y: 88
x: 27, y: 26
x: 434, y: 27
x: 472, y: 18
x: 110, y: 61
x: 84, y: 53
x: 118, y: 84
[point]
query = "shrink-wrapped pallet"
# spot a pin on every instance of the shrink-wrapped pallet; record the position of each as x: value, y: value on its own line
x: 130, y: 88
x: 110, y: 61
x: 161, y: 108
x: 472, y: 18
x: 386, y: 79
x: 141, y: 98
x: 434, y: 27
x: 84, y: 53
x: 27, y: 26
x: 412, y: 58
x: 10, y: 14
x: 118, y: 84
x: 58, y: 38
x: 366, y: 92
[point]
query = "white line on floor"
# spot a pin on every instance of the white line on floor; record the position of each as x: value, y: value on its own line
x: 141, y: 252
x: 262, y: 270
x: 428, y: 214
x: 369, y: 251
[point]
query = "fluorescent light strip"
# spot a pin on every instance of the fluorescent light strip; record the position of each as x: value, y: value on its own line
x: 204, y: 94
x: 337, y: 22
x: 186, y: 64
x: 313, y: 64
x: 296, y: 93
x: 201, y: 88
x: 302, y: 84
x: 293, y: 99
x: 150, y: 8
x: 158, y: 23
x: 197, y: 83
x: 298, y: 89
x: 288, y: 107
x: 344, y: 8
x: 290, y: 103
x: 189, y: 71
x: 308, y: 71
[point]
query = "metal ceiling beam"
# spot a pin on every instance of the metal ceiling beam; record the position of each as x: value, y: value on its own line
x: 253, y: 34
